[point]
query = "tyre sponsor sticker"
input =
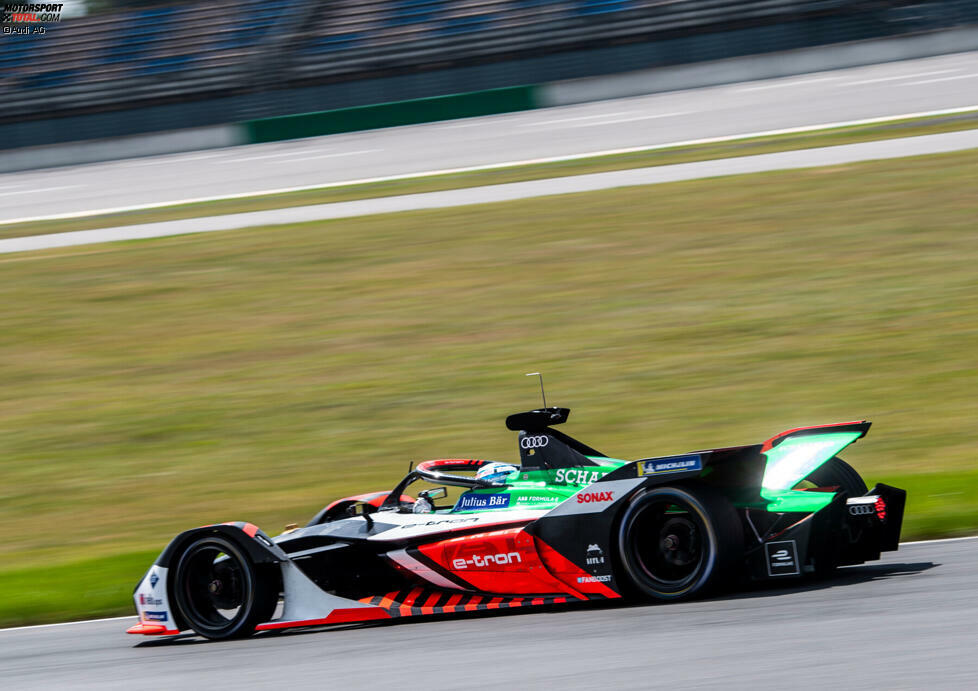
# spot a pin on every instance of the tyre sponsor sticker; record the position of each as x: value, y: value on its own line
x: 672, y: 464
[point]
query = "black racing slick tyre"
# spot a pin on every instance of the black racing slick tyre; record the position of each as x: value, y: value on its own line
x: 220, y: 592
x: 678, y: 542
x: 833, y: 473
x: 837, y: 473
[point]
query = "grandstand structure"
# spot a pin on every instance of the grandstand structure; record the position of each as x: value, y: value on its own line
x: 193, y: 52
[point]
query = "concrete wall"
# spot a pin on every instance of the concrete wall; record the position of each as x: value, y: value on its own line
x: 754, y: 67
x: 122, y: 147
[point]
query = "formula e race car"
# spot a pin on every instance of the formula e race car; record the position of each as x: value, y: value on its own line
x: 568, y: 524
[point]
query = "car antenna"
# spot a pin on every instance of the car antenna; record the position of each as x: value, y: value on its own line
x: 542, y: 394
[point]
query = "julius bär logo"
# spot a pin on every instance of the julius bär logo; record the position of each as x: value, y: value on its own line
x: 28, y: 18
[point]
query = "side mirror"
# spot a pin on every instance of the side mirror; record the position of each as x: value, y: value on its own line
x: 434, y: 493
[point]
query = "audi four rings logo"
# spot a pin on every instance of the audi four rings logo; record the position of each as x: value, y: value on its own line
x: 534, y: 442
x: 861, y: 509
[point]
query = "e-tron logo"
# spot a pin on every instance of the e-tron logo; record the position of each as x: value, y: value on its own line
x: 534, y: 442
x: 480, y: 560
x: 861, y: 509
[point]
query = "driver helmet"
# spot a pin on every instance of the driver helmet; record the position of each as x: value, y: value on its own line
x: 496, y: 472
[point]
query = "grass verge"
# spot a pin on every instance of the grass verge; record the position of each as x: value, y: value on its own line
x: 653, y: 157
x: 85, y: 589
x: 154, y: 385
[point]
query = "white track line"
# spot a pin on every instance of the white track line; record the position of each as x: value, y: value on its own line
x: 38, y: 190
x: 561, y: 121
x: 261, y: 157
x: 781, y: 85
x: 133, y: 616
x: 507, y: 192
x: 493, y: 166
x: 973, y: 75
x: 319, y: 156
x: 66, y: 623
x: 632, y: 118
x: 943, y: 539
x: 900, y: 76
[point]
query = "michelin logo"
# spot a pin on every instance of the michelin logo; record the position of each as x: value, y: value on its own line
x: 675, y: 464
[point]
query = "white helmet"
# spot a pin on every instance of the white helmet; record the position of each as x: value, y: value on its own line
x: 496, y: 472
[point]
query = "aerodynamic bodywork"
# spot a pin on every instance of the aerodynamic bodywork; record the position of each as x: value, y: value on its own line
x: 566, y: 524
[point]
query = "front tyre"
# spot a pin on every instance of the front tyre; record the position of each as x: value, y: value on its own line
x: 676, y: 542
x: 219, y: 591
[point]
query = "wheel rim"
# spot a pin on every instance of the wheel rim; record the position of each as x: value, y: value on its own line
x: 669, y: 546
x: 215, y: 585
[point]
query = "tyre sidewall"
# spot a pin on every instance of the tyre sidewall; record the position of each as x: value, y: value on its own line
x: 632, y: 572
x: 242, y: 624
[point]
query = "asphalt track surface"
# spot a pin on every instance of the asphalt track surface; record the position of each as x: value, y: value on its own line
x: 889, y: 89
x: 905, y: 622
x: 785, y: 160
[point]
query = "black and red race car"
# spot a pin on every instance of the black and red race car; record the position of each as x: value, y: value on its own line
x: 566, y: 524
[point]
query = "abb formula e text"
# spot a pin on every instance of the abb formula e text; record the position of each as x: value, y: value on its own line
x: 566, y: 524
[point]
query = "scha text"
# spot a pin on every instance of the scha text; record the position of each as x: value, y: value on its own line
x: 576, y: 476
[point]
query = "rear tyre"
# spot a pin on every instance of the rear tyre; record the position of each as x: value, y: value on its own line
x: 677, y: 542
x: 220, y: 592
x: 834, y: 473
x: 837, y: 473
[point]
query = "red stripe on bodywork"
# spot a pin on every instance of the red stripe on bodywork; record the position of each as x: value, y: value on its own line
x: 504, y: 562
x: 570, y: 573
x: 250, y: 529
x: 429, y: 605
x: 152, y: 630
x: 452, y: 601
x: 769, y: 444
x: 372, y: 498
x: 388, y: 600
x: 408, y: 602
x: 444, y: 462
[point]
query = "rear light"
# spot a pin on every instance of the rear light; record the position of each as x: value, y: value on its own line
x: 880, y: 509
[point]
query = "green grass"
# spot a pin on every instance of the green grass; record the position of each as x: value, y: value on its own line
x: 83, y: 589
x: 653, y: 157
x: 157, y: 385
